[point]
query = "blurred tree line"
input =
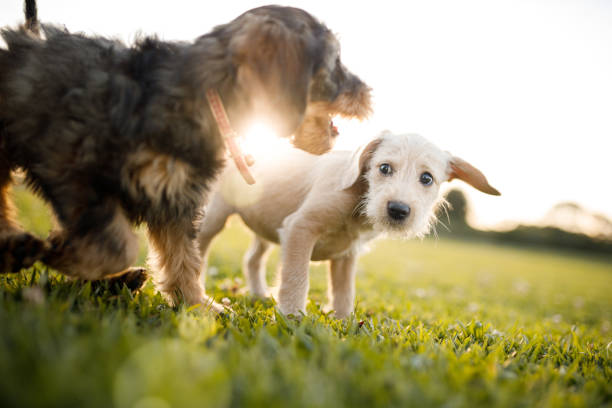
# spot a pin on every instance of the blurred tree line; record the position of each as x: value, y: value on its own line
x: 570, y: 216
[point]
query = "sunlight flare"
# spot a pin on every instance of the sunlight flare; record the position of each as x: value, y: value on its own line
x: 260, y: 138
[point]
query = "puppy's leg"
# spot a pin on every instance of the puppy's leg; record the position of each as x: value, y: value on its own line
x: 100, y: 243
x: 254, y: 266
x: 174, y: 255
x: 18, y: 249
x: 341, y: 285
x: 213, y: 222
x: 297, y: 243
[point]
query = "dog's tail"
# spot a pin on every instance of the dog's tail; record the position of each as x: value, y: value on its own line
x: 15, y: 39
x: 31, y: 17
x: 31, y: 25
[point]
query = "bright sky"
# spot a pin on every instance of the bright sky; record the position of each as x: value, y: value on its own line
x: 522, y: 89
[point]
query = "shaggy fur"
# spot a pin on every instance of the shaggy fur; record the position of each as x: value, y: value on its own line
x: 325, y: 207
x: 112, y: 135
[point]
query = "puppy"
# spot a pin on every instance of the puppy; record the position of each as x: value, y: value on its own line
x: 325, y: 207
x: 112, y: 135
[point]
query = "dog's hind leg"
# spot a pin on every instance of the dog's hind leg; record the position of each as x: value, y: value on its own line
x: 100, y: 244
x: 341, y: 285
x: 18, y: 249
x: 254, y: 266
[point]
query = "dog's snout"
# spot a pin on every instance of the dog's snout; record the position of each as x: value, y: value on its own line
x: 397, y: 210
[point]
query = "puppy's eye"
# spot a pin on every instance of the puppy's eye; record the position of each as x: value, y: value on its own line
x: 426, y: 179
x: 385, y: 169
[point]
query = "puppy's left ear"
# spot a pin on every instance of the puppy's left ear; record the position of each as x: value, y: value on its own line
x: 359, y: 163
x: 274, y: 68
x: 462, y: 170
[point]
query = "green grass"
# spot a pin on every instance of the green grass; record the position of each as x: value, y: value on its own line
x: 438, y: 323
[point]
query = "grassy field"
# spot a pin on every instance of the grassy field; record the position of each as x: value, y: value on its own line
x: 438, y: 323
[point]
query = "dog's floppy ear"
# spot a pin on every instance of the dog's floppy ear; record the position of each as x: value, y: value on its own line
x: 274, y: 68
x: 462, y: 170
x: 359, y: 163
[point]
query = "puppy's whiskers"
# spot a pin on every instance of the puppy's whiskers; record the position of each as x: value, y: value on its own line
x: 360, y: 208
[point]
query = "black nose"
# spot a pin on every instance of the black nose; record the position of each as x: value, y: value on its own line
x: 398, y: 211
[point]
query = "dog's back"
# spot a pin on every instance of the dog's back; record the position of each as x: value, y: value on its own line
x: 71, y: 78
x: 79, y: 103
x: 284, y: 178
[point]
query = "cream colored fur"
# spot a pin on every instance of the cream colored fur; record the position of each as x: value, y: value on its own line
x: 324, y: 208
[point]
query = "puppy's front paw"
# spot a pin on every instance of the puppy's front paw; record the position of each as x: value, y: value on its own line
x: 267, y: 293
x: 255, y: 294
x: 272, y: 292
x: 328, y: 309
x: 209, y: 305
x: 338, y: 313
x: 292, y: 310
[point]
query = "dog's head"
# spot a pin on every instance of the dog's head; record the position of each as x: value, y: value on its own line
x: 402, y: 176
x: 288, y: 68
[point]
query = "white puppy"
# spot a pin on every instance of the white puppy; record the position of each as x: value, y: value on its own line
x: 324, y: 207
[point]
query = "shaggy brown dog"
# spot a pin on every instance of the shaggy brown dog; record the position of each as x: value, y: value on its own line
x: 112, y: 135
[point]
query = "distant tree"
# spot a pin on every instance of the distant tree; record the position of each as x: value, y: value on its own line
x: 457, y: 210
x: 552, y: 237
x: 454, y: 215
x: 563, y: 228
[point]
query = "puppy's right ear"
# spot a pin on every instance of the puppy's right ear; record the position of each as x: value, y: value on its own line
x: 359, y: 164
x: 274, y: 69
x: 462, y: 170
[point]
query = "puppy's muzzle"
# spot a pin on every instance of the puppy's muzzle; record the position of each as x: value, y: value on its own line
x: 398, y: 211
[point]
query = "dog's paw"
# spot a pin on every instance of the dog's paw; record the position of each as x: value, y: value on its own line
x: 134, y: 278
x: 272, y: 292
x: 292, y: 311
x: 294, y: 317
x: 21, y: 251
x: 337, y: 313
x: 328, y: 309
x: 207, y: 304
x: 265, y: 294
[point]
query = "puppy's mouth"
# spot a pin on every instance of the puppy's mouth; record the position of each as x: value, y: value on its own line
x: 333, y: 130
x: 396, y: 225
x: 391, y: 228
x: 317, y: 134
x: 404, y: 227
